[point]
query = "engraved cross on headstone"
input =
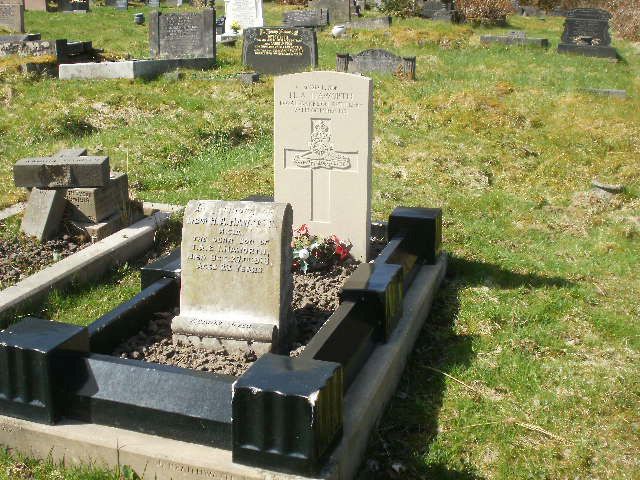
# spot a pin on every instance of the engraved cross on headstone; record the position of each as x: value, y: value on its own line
x: 317, y: 164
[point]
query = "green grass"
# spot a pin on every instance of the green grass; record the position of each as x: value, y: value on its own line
x: 527, y: 367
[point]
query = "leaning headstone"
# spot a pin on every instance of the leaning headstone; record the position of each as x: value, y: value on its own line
x: 377, y: 60
x: 43, y: 214
x: 35, y: 5
x: 73, y: 6
x: 61, y: 172
x: 12, y: 15
x: 236, y: 281
x: 586, y: 32
x: 339, y: 10
x: 243, y: 13
x: 277, y: 50
x: 323, y: 127
x: 312, y: 17
x: 98, y: 204
x: 183, y: 35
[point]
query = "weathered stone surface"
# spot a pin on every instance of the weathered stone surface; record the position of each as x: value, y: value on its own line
x: 339, y: 10
x: 61, y: 172
x: 276, y: 50
x: 370, y: 24
x: 12, y: 15
x: 438, y: 10
x: 376, y: 60
x: 515, y: 38
x: 72, y: 152
x: 132, y: 68
x: 312, y: 17
x: 246, y: 13
x: 35, y: 48
x: 21, y: 37
x: 43, y: 214
x: 73, y: 5
x: 236, y: 271
x: 586, y: 32
x: 183, y: 35
x: 101, y: 230
x: 35, y: 5
x: 323, y: 127
x: 97, y: 204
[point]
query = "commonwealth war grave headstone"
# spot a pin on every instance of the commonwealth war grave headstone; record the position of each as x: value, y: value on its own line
x: 376, y: 60
x: 245, y: 13
x: 339, y: 10
x: 241, y: 252
x: 12, y: 15
x: 586, y: 32
x: 276, y: 50
x: 323, y: 126
x: 182, y: 35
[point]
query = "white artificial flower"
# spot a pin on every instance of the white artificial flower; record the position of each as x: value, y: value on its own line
x: 303, y: 254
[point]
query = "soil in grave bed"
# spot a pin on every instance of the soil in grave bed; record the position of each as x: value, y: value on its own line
x: 315, y: 298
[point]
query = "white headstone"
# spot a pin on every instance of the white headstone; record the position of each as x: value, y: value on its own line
x: 323, y: 126
x: 247, y: 13
x: 236, y: 273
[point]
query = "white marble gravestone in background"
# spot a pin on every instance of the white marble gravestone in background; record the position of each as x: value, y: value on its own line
x: 248, y: 13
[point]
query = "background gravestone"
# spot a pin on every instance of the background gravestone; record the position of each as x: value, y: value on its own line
x: 236, y: 280
x: 377, y: 60
x: 73, y: 5
x: 276, y: 50
x: 12, y: 15
x: 247, y: 13
x: 586, y: 32
x: 323, y: 126
x: 339, y: 10
x: 183, y: 35
x: 35, y: 5
x: 312, y: 17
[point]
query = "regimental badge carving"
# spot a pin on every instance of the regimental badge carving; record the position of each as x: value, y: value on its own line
x: 321, y: 153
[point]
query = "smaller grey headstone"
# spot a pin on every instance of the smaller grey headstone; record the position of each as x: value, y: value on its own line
x: 73, y: 6
x: 183, y: 35
x: 43, y: 214
x: 312, y: 17
x: 376, y: 60
x: 339, y: 10
x: 12, y: 15
x: 61, y: 172
x: 154, y: 3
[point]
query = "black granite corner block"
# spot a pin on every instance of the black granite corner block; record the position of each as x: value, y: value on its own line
x: 422, y: 228
x: 33, y: 354
x: 379, y: 287
x: 165, y: 267
x: 287, y: 413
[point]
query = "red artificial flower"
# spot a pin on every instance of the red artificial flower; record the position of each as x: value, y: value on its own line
x: 342, y: 251
x: 303, y: 230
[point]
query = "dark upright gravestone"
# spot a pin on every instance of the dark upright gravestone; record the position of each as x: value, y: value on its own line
x: 376, y: 60
x: 312, y: 17
x: 438, y: 10
x: 73, y: 5
x: 586, y: 32
x: 12, y: 15
x: 339, y: 10
x: 276, y: 50
x: 183, y: 35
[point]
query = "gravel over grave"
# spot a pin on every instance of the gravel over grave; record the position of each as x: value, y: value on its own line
x: 315, y: 297
x: 23, y: 256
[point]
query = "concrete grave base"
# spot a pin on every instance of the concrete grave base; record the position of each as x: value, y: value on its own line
x: 589, y: 50
x: 131, y: 68
x: 160, y: 458
x: 509, y: 40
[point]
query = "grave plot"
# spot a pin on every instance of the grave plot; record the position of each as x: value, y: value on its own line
x: 177, y: 40
x: 586, y: 32
x: 74, y: 201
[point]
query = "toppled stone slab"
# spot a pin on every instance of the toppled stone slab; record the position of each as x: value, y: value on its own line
x: 43, y: 214
x: 131, y: 68
x: 62, y: 172
x: 97, y: 204
x: 607, y: 92
x: 515, y: 38
x: 101, y: 230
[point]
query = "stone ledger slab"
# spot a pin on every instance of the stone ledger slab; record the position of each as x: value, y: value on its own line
x: 131, y: 69
x: 97, y: 204
x: 61, y: 172
x: 236, y: 271
x: 12, y: 15
x: 323, y: 127
x: 277, y: 50
x: 246, y: 13
x: 182, y: 35
x: 515, y: 38
x: 43, y: 214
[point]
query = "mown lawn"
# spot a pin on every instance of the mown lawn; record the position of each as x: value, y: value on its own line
x: 528, y: 365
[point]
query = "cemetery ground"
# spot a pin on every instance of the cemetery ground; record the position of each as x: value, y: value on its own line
x: 527, y: 367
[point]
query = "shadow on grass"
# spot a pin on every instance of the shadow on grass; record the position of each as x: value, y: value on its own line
x: 399, y: 447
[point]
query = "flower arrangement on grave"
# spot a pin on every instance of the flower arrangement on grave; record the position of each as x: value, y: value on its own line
x: 311, y: 252
x: 235, y: 26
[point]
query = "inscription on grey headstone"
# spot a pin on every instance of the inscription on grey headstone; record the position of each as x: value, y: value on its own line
x: 12, y: 15
x: 339, y: 10
x: 376, y: 60
x: 61, y: 172
x: 183, y: 35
